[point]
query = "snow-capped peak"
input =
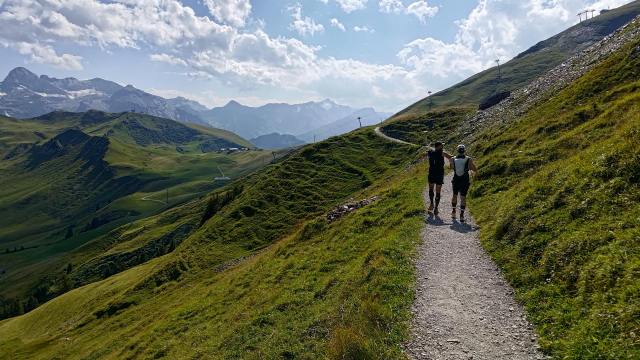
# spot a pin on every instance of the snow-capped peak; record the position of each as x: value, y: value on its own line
x: 327, y: 104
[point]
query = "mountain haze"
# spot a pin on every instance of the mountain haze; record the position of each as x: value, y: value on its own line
x: 25, y: 95
x: 276, y: 141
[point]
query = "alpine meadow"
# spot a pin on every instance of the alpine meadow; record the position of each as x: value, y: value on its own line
x: 227, y: 208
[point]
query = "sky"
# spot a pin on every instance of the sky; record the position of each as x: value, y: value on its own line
x: 383, y: 54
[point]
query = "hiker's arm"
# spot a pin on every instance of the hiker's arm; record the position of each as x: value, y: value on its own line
x: 447, y: 155
x: 472, y: 166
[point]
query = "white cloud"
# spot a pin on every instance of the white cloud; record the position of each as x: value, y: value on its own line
x: 248, y: 59
x: 495, y: 29
x: 421, y: 10
x: 351, y: 5
x: 364, y: 28
x: 303, y: 25
x: 45, y: 54
x: 324, y: 1
x: 168, y: 59
x: 335, y: 22
x: 391, y: 6
x: 232, y: 12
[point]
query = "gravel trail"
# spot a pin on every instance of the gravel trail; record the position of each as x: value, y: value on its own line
x: 380, y: 133
x: 464, y: 309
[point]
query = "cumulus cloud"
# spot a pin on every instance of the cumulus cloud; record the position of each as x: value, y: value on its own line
x: 421, y: 10
x: 335, y: 22
x: 303, y: 25
x: 168, y: 59
x: 364, y: 28
x: 45, y: 54
x: 247, y: 59
x: 493, y: 30
x: 232, y: 12
x: 349, y: 5
x: 391, y: 6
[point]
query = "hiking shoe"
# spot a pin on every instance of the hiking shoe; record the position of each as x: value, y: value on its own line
x: 435, y: 211
x: 453, y: 213
x: 461, y: 217
x: 430, y: 209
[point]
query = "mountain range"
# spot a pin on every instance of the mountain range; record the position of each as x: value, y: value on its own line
x: 25, y: 95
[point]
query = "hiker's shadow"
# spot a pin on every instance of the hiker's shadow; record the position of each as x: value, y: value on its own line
x: 435, y: 220
x: 462, y: 227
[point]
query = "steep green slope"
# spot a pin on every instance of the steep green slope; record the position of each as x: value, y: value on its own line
x: 557, y: 196
x: 528, y: 65
x: 339, y: 290
x: 61, y: 188
x: 427, y: 128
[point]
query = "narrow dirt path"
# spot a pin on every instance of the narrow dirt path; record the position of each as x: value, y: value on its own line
x: 380, y: 133
x: 464, y: 308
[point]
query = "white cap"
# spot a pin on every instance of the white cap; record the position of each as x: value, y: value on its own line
x: 461, y: 148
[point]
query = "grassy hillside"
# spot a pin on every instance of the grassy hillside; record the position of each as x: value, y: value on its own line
x: 427, y: 128
x: 93, y: 172
x: 557, y: 198
x: 339, y: 290
x: 528, y: 65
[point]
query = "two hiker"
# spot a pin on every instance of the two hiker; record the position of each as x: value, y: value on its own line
x: 461, y: 164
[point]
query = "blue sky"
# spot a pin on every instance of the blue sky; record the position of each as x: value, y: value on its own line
x: 379, y: 53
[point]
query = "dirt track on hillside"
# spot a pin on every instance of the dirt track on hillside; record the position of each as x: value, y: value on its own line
x: 464, y: 308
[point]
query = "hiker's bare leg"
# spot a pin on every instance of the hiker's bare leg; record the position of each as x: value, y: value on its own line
x: 431, y: 196
x: 438, y: 190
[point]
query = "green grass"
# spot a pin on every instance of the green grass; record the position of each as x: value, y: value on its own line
x: 522, y: 70
x: 558, y: 203
x: 331, y: 291
x: 427, y: 128
x: 38, y: 203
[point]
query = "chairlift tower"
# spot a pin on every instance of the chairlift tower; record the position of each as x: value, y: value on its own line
x: 360, y: 121
x: 498, y: 62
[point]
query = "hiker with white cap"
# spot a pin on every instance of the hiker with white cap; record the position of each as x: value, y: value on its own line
x: 461, y: 164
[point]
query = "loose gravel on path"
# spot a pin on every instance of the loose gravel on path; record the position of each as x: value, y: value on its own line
x: 464, y: 309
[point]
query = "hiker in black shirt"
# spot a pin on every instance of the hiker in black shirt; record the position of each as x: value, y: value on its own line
x: 436, y: 174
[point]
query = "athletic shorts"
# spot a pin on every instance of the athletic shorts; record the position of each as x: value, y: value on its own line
x: 437, y: 179
x: 460, y: 186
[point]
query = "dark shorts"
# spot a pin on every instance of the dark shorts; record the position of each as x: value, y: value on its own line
x: 460, y: 186
x: 437, y: 179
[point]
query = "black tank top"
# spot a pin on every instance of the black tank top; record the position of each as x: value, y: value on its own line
x: 436, y: 161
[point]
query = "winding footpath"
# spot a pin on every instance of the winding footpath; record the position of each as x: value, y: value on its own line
x: 464, y: 308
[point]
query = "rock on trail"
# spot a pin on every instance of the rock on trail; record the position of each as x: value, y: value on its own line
x: 464, y: 309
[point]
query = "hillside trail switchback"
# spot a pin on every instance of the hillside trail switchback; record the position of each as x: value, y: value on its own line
x: 464, y: 308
